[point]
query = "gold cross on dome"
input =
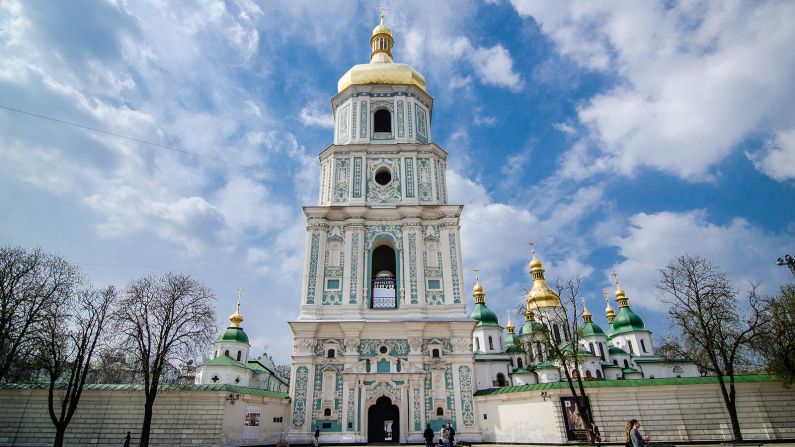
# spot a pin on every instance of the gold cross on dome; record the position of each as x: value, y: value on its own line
x: 532, y: 247
x: 615, y: 278
x: 382, y: 11
x: 604, y: 294
x: 240, y: 291
x: 477, y: 273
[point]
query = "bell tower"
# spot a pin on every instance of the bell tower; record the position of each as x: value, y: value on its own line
x: 383, y: 316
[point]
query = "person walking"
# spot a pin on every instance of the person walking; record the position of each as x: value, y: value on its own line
x: 127, y: 440
x: 428, y: 435
x: 628, y: 433
x: 451, y: 434
x: 597, y: 437
x: 637, y: 439
x: 444, y: 436
x: 317, y: 435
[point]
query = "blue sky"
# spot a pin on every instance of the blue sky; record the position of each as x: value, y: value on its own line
x: 614, y: 135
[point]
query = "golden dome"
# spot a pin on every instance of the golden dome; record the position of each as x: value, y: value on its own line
x: 540, y: 295
x: 621, y: 298
x: 511, y: 328
x: 609, y: 312
x: 586, y: 316
x: 236, y: 318
x: 381, y: 69
x: 478, y: 292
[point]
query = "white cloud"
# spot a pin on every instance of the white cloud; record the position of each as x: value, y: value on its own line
x: 494, y: 66
x: 566, y: 128
x: 316, y: 114
x: 778, y: 158
x: 693, y: 80
x: 747, y: 252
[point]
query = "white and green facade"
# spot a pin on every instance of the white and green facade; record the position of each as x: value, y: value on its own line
x: 382, y: 340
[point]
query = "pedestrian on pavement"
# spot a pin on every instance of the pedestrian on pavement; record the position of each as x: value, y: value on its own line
x: 127, y: 440
x: 428, y: 435
x: 451, y: 434
x: 628, y: 433
x: 597, y: 437
x: 445, y: 436
x: 317, y: 435
x: 637, y: 439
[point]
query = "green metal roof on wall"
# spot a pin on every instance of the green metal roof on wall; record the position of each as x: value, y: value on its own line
x: 137, y: 387
x: 224, y: 360
x: 708, y: 380
x: 484, y: 316
x: 234, y: 334
x: 530, y: 327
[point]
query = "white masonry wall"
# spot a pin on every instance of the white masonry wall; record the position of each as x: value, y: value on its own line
x: 670, y: 413
x: 181, y: 418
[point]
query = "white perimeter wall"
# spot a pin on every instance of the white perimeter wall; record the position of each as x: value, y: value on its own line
x: 181, y: 418
x: 669, y: 413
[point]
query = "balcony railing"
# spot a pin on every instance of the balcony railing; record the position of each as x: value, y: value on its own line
x: 384, y: 296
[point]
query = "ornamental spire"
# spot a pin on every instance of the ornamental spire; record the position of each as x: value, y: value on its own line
x: 621, y: 297
x: 609, y: 312
x: 587, y: 317
x: 381, y: 42
x: 511, y: 328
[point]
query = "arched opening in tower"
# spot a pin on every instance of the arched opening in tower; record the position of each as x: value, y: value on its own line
x: 382, y: 121
x: 384, y: 267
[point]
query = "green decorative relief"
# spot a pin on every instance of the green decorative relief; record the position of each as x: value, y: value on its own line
x: 454, y: 268
x: 422, y: 133
x: 312, y: 279
x: 363, y: 118
x: 357, y: 177
x: 424, y: 179
x: 341, y: 180
x: 465, y: 383
x: 299, y: 405
x: 389, y: 193
x: 409, y: 162
x: 413, y: 266
x: 369, y: 347
x: 354, y: 267
x: 400, y: 130
x: 342, y: 130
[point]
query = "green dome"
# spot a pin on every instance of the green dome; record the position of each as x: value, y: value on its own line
x: 484, y: 316
x: 510, y: 342
x: 530, y: 327
x: 626, y: 321
x: 234, y: 334
x: 591, y: 329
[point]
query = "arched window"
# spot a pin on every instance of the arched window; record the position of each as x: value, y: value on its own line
x: 626, y: 363
x: 226, y: 353
x: 367, y: 365
x: 439, y: 411
x: 327, y: 412
x: 642, y: 345
x: 491, y: 343
x: 615, y: 362
x: 501, y: 380
x: 519, y: 363
x: 598, y: 374
x: 331, y: 353
x: 477, y: 344
x: 435, y: 353
x: 575, y: 374
x: 602, y: 351
x: 629, y: 343
x: 382, y: 121
x: 590, y: 348
x: 539, y: 351
x: 383, y: 262
x: 556, y: 332
x: 588, y: 374
x: 238, y: 355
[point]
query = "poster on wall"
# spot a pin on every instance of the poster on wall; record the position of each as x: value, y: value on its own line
x: 251, y: 422
x: 575, y: 422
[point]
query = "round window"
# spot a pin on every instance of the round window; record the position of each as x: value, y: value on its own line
x: 383, y: 176
x: 383, y: 349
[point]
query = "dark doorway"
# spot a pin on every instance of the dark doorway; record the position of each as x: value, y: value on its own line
x: 383, y: 421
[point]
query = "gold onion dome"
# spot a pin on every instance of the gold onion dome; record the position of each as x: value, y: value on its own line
x: 479, y: 293
x: 236, y: 318
x: 511, y: 328
x: 609, y: 312
x: 586, y: 316
x: 381, y: 69
x: 481, y: 313
x: 540, y: 295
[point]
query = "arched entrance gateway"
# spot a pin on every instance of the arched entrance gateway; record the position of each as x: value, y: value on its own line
x: 383, y: 421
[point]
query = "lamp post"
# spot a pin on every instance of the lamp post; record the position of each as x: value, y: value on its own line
x: 789, y: 261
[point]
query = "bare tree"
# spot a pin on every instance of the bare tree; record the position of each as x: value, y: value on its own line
x: 564, y: 348
x: 69, y: 339
x: 283, y: 371
x: 777, y: 344
x: 164, y: 319
x: 704, y: 310
x: 31, y: 284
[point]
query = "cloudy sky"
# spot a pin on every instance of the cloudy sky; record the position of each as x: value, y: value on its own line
x: 616, y: 135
